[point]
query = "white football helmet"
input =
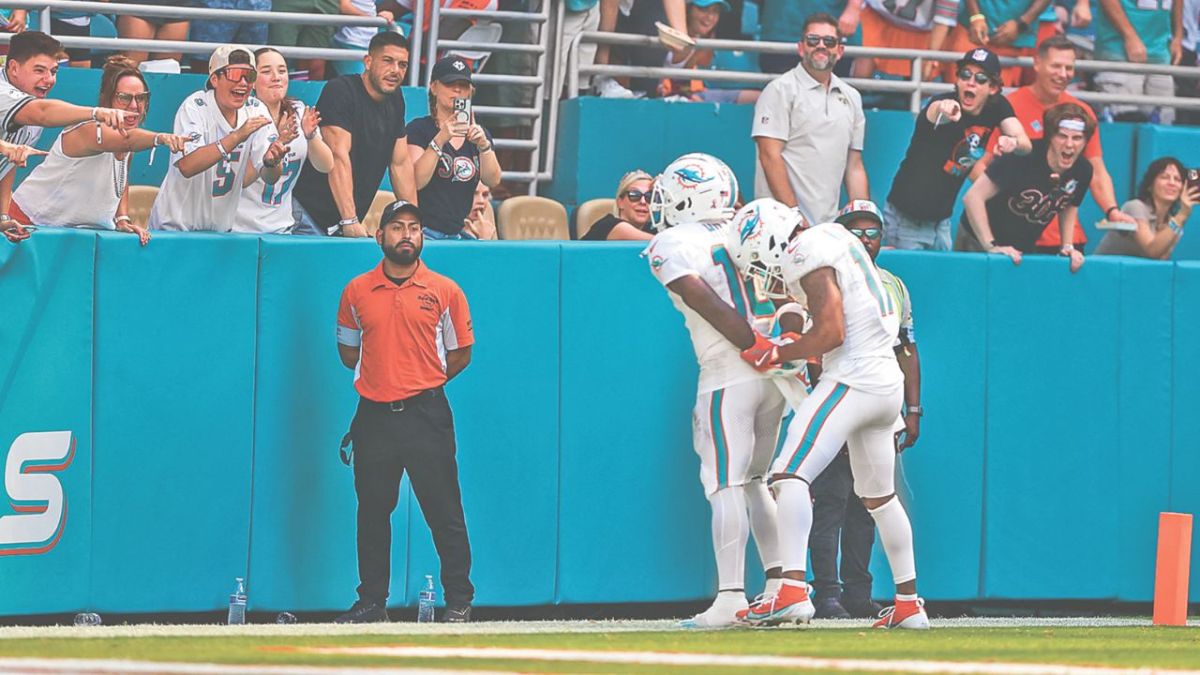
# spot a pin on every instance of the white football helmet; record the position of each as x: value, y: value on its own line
x: 757, y: 240
x: 696, y: 188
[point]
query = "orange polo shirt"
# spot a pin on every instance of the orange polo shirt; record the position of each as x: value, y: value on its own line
x: 1030, y: 110
x: 403, y: 332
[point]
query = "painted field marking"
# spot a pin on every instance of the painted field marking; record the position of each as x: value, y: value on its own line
x: 87, y: 666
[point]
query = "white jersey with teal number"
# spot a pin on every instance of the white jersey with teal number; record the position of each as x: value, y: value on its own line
x: 266, y: 208
x: 699, y: 250
x: 865, y: 360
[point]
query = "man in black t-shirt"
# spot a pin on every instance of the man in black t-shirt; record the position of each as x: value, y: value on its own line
x: 1006, y: 210
x: 952, y: 133
x: 362, y: 121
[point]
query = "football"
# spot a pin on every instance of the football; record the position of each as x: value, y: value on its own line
x: 793, y: 318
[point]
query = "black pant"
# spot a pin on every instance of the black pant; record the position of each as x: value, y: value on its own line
x: 838, y: 513
x: 418, y: 436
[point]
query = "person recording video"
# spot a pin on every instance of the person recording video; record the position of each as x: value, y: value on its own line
x: 451, y: 153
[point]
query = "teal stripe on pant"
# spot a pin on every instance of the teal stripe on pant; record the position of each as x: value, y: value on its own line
x: 815, y: 425
x: 718, y: 434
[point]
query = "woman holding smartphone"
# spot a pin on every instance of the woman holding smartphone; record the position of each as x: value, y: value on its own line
x: 1163, y: 205
x: 450, y: 153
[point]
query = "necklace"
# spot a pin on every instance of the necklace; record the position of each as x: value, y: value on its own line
x: 120, y: 175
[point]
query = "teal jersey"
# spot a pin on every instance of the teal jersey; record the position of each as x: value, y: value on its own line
x: 783, y: 20
x: 1151, y: 19
x: 999, y: 11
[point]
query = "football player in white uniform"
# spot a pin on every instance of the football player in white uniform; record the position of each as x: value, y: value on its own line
x: 737, y: 416
x: 855, y: 323
x: 228, y: 148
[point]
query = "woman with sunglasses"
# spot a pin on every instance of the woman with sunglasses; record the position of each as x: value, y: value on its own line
x: 267, y: 208
x: 630, y: 219
x: 231, y: 142
x: 951, y: 135
x: 84, y: 181
x: 1164, y: 202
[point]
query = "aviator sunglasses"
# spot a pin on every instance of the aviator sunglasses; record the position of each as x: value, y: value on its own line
x: 812, y: 40
x: 980, y: 76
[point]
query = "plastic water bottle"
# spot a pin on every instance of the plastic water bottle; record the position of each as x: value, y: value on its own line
x: 87, y: 619
x: 425, y: 600
x: 237, y: 605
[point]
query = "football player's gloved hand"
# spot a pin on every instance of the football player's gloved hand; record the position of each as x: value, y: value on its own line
x: 764, y: 353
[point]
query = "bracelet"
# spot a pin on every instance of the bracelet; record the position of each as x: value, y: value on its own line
x: 347, y: 221
x: 487, y: 149
x: 221, y: 149
x: 1110, y: 210
x: 123, y: 219
x: 95, y: 114
x: 1067, y: 249
x: 157, y: 140
x: 977, y: 17
x: 914, y: 410
x: 1175, y: 227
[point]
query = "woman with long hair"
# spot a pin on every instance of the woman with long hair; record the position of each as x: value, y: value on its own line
x: 84, y: 181
x: 267, y: 208
x: 1163, y: 205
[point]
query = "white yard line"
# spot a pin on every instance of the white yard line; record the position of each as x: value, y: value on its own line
x: 502, y: 627
x: 733, y: 661
x: 99, y: 666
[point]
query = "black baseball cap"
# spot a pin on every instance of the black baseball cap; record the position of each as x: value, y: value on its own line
x: 396, y: 208
x: 985, y: 59
x: 452, y: 69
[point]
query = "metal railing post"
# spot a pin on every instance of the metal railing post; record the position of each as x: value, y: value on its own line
x: 917, y: 76
x: 414, y: 43
x: 435, y: 18
x: 573, y: 67
x: 44, y: 19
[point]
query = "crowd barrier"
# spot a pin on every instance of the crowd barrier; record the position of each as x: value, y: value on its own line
x: 199, y: 384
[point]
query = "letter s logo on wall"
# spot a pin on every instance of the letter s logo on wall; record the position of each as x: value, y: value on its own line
x: 35, y: 493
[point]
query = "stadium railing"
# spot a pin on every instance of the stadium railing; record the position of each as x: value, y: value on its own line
x: 916, y: 86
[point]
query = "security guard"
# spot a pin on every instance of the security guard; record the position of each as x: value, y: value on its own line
x: 405, y: 331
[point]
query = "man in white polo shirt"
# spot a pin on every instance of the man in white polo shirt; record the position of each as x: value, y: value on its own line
x: 808, y: 128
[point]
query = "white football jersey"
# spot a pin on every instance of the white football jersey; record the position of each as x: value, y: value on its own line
x: 699, y: 250
x: 865, y: 360
x: 210, y: 199
x: 267, y: 208
x: 11, y: 101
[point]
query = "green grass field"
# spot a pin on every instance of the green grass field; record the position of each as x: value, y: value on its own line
x: 1040, y: 646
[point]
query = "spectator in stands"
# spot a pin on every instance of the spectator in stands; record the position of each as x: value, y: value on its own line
x: 580, y: 16
x: 783, y: 20
x: 13, y: 20
x: 1164, y: 203
x: 1008, y: 207
x: 356, y: 37
x: 642, y: 19
x: 808, y: 117
x: 152, y: 28
x: 73, y: 24
x: 294, y: 35
x: 362, y: 121
x: 480, y: 223
x: 450, y: 153
x: 229, y: 32
x: 1007, y: 27
x: 702, y: 19
x: 1054, y: 67
x: 29, y: 74
x: 231, y: 143
x: 951, y: 135
x: 1138, y: 32
x: 916, y: 24
x: 267, y: 208
x: 630, y: 219
x: 85, y: 179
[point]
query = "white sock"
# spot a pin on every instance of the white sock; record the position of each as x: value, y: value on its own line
x: 896, y: 534
x: 730, y: 531
x: 795, y: 523
x: 773, y: 586
x: 763, y: 522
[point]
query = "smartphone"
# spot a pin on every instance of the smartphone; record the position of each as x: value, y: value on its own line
x: 462, y: 110
x: 1192, y: 180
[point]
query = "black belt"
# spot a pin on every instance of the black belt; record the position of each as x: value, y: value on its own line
x: 400, y: 405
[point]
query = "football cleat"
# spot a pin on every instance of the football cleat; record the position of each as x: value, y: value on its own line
x: 790, y: 605
x: 904, y: 614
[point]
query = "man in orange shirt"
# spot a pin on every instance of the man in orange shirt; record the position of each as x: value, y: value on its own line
x: 1054, y: 66
x: 405, y: 331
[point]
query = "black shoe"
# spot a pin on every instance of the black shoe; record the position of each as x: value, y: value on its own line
x: 364, y: 612
x: 861, y: 608
x: 456, y: 614
x: 830, y: 608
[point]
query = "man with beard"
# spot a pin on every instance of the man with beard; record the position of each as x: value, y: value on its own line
x: 951, y: 135
x: 405, y: 331
x: 1008, y: 207
x: 808, y: 128
x: 362, y: 121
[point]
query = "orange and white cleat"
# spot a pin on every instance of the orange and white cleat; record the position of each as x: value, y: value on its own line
x: 904, y: 614
x: 790, y: 605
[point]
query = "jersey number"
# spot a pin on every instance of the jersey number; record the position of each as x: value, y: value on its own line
x: 273, y: 194
x: 908, y: 12
x: 882, y: 297
x: 747, y: 299
x: 225, y: 174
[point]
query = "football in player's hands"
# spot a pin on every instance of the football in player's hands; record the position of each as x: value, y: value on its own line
x: 790, y: 321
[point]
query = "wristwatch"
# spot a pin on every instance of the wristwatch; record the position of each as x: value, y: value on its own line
x: 914, y: 410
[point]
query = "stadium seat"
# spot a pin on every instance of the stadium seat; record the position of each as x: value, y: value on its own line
x: 589, y: 212
x: 141, y: 198
x: 382, y: 199
x: 528, y: 217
